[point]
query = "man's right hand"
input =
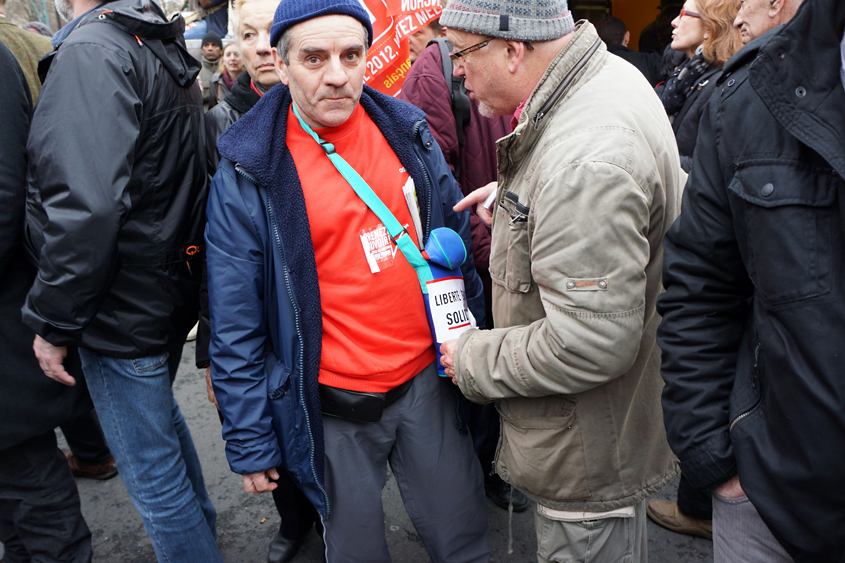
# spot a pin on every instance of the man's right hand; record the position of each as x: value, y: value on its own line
x: 730, y: 489
x: 209, y: 388
x: 50, y: 359
x: 260, y: 482
x: 478, y: 197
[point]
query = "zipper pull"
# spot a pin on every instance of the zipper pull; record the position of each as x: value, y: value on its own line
x: 537, y: 119
x: 755, y: 371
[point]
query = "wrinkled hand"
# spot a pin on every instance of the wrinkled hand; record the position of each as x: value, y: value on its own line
x: 260, y: 482
x: 730, y: 489
x: 209, y: 389
x: 478, y: 197
x: 50, y: 359
x: 447, y: 360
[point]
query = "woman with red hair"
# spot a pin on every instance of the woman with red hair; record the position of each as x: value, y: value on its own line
x: 704, y: 31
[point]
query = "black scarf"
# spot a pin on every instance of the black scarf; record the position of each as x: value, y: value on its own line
x: 681, y: 83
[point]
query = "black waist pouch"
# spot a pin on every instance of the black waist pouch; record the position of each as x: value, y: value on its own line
x: 359, y: 406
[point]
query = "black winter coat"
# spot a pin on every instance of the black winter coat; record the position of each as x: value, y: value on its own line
x: 685, y: 124
x: 241, y: 99
x: 117, y: 163
x: 649, y: 63
x: 753, y: 328
x: 30, y: 403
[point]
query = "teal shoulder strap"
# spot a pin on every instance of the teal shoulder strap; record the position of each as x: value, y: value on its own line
x: 396, y: 231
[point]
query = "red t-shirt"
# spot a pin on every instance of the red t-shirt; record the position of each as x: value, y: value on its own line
x: 375, y: 331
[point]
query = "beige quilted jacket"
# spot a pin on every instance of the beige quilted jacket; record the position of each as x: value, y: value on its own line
x: 589, y: 182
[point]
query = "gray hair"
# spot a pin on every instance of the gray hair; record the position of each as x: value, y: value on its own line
x: 283, y: 46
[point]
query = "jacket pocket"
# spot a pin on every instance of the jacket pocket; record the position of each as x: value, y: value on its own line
x: 784, y: 224
x: 278, y: 381
x: 541, y: 448
x: 510, y: 253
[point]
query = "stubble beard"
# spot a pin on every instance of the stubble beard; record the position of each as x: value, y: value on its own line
x: 483, y: 109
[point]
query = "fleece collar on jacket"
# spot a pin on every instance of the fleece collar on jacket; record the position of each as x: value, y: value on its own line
x: 258, y: 143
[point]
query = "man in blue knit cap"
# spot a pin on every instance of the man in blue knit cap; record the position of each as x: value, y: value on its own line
x: 322, y: 359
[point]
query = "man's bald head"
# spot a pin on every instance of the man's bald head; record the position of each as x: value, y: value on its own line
x: 756, y: 17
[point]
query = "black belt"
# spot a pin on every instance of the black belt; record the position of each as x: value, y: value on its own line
x: 359, y: 406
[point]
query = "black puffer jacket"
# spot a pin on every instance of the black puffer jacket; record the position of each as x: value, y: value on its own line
x: 753, y: 325
x: 117, y: 163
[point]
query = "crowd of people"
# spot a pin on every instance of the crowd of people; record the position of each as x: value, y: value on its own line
x: 555, y: 273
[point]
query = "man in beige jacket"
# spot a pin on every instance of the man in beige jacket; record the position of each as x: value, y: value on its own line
x: 588, y: 183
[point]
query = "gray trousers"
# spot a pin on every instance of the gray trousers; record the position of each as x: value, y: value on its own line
x: 439, y: 478
x: 741, y: 536
x: 604, y: 540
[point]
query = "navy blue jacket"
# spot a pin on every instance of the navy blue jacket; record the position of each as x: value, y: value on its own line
x: 264, y: 296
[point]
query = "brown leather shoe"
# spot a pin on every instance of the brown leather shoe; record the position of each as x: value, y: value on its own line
x: 667, y: 514
x: 100, y: 471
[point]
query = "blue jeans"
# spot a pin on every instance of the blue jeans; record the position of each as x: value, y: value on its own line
x: 155, y: 454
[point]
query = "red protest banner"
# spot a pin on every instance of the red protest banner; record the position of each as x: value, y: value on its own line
x: 393, y: 21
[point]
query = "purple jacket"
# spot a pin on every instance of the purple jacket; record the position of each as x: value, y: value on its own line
x: 426, y: 88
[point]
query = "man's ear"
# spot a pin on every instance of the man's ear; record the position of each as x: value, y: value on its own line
x: 626, y: 39
x: 515, y: 54
x: 281, y: 68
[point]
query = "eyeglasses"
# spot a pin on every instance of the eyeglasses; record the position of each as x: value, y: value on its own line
x: 458, y: 54
x: 688, y: 13
x: 480, y: 45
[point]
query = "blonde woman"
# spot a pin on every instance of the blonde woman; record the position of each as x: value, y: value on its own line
x: 231, y: 66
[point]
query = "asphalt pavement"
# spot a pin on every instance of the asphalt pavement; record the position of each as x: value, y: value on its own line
x: 246, y: 523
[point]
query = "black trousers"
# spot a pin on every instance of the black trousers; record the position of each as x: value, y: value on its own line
x: 85, y: 438
x: 697, y: 503
x: 40, y: 517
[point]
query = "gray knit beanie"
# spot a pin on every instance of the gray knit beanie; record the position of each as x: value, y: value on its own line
x: 520, y: 20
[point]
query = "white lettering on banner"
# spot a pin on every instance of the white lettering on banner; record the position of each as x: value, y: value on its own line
x: 423, y: 17
x: 450, y: 312
x: 414, y: 5
x: 406, y: 26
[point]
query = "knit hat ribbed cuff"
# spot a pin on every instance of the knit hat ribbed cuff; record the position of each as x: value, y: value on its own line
x: 292, y: 12
x: 537, y: 20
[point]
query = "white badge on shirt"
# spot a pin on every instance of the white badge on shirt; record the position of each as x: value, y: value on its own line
x: 378, y: 248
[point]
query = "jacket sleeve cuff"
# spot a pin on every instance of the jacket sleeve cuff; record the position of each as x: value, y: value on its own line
x: 463, y: 357
x: 49, y: 332
x: 705, y: 469
x: 253, y: 456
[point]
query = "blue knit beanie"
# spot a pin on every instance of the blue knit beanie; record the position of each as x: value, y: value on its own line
x: 292, y: 12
